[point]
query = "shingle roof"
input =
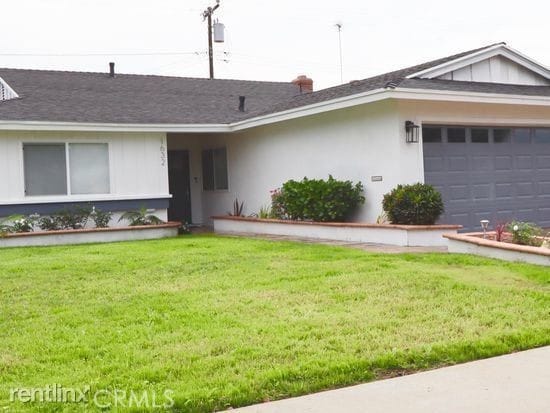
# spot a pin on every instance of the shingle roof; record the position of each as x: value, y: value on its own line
x: 98, y: 98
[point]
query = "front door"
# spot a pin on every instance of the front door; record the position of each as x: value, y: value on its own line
x: 178, y: 176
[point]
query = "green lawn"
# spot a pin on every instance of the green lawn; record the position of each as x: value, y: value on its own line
x: 228, y: 322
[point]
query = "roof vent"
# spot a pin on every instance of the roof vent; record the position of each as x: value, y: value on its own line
x: 112, y: 69
x: 241, y: 103
x: 6, y: 92
x: 390, y: 85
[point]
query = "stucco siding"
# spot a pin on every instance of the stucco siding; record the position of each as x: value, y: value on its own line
x: 355, y: 144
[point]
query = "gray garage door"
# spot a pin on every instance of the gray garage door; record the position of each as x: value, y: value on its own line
x: 499, y: 174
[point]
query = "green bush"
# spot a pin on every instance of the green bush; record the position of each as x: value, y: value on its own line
x: 318, y: 200
x: 525, y: 233
x: 417, y: 204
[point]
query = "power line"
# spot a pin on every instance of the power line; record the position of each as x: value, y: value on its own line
x: 98, y: 54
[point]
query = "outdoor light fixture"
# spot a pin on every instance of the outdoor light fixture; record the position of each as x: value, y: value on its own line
x: 412, y: 131
x: 484, y: 224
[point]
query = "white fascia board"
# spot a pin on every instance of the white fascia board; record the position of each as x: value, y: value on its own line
x: 484, y: 54
x: 111, y: 127
x: 313, y: 109
x: 468, y: 97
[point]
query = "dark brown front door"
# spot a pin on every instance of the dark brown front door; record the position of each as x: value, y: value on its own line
x: 179, y: 184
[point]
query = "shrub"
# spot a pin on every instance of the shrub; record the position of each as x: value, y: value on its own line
x: 317, y: 199
x: 140, y: 217
x: 101, y: 218
x: 73, y: 218
x: 525, y: 233
x: 49, y: 224
x: 417, y: 204
x: 22, y: 223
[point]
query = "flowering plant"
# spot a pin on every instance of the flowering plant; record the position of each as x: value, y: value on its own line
x: 525, y: 233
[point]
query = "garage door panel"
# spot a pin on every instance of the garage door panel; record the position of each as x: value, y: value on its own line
x: 543, y: 162
x: 543, y: 189
x: 457, y: 164
x: 482, y: 163
x: 498, y: 181
x: 482, y: 192
x: 458, y: 192
x: 504, y: 191
x: 503, y: 163
x: 525, y: 190
x: 524, y: 162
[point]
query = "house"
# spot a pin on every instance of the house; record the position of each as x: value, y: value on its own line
x: 476, y: 125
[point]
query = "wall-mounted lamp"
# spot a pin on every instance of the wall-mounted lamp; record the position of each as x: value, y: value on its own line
x: 412, y: 131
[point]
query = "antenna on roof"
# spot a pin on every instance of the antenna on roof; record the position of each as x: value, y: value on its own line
x: 339, y: 28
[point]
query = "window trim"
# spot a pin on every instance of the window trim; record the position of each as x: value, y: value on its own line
x: 215, y: 190
x: 66, y: 142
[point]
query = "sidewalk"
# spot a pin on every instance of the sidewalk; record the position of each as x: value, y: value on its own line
x: 513, y: 383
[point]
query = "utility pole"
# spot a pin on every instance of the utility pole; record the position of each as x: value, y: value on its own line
x: 339, y: 28
x: 207, y: 15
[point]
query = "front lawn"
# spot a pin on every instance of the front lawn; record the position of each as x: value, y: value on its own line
x: 228, y: 322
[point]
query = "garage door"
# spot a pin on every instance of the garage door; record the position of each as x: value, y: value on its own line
x: 499, y: 174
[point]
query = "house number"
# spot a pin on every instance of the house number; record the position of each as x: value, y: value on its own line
x: 162, y: 153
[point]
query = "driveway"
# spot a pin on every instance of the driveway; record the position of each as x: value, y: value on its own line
x: 513, y: 383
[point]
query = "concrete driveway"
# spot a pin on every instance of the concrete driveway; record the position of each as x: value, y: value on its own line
x: 513, y: 383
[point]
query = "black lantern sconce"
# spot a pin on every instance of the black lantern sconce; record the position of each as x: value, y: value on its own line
x: 412, y: 131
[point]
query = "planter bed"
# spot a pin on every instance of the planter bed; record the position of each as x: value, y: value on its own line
x: 388, y: 234
x: 474, y: 243
x: 86, y: 236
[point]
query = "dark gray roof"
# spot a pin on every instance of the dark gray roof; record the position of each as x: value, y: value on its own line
x: 98, y: 98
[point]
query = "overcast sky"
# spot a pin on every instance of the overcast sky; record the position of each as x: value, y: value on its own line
x: 265, y: 40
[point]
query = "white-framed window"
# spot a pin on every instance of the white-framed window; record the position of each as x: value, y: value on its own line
x: 66, y: 168
x: 214, y: 170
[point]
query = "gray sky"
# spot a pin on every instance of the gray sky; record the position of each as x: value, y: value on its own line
x: 265, y: 40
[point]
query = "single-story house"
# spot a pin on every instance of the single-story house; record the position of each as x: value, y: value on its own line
x: 476, y: 125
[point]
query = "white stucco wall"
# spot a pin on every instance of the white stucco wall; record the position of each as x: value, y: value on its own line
x: 137, y: 162
x: 355, y: 144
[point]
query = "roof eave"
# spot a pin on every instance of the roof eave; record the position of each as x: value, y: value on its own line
x: 313, y: 109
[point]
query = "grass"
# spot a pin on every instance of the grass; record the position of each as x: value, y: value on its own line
x: 229, y: 322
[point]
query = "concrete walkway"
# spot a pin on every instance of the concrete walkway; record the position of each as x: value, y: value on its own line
x: 387, y: 249
x: 513, y: 383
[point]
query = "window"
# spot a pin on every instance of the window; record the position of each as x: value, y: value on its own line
x: 502, y: 135
x: 522, y: 135
x: 45, y: 169
x: 89, y: 168
x: 431, y: 135
x: 542, y: 135
x: 456, y: 135
x: 214, y: 169
x: 49, y: 172
x: 480, y: 135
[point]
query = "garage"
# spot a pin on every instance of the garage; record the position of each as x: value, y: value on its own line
x: 495, y: 173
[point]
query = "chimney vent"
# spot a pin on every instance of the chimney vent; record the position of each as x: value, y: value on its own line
x: 112, y: 69
x: 241, y: 103
x: 304, y: 83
